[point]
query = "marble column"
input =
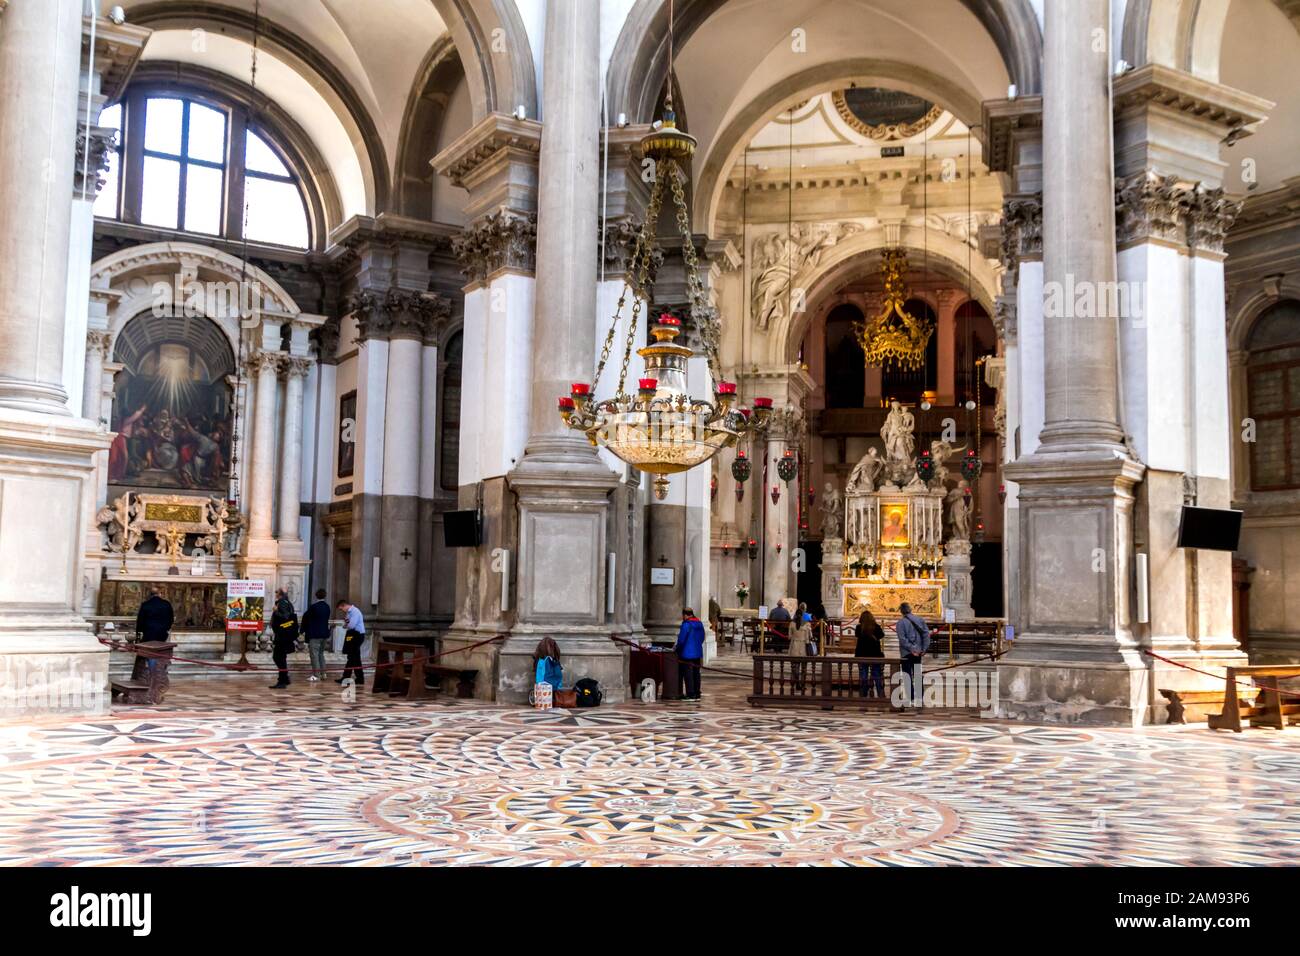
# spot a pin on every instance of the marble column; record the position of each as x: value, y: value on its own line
x: 562, y: 487
x: 49, y: 660
x: 265, y: 366
x: 295, y: 372
x: 399, y: 509
x: 40, y: 63
x: 92, y: 400
x: 1076, y: 659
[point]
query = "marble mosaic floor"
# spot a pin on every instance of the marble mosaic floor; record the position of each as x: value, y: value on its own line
x: 230, y: 773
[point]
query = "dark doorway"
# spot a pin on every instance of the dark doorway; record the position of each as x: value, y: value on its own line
x: 986, y: 579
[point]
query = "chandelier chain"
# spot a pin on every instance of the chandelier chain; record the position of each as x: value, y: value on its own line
x: 700, y: 308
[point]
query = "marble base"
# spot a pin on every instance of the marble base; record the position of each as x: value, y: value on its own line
x: 581, y: 656
x: 49, y: 660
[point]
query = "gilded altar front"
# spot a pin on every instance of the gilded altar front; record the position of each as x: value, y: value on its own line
x: 882, y: 598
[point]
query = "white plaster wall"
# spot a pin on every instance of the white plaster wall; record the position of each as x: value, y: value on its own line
x: 401, y: 418
x: 1213, y: 458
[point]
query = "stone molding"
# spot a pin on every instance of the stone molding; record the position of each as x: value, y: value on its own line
x: 265, y: 360
x: 1190, y: 96
x: 326, y: 339
x: 1005, y: 316
x: 100, y: 340
x: 398, y: 314
x: 1004, y: 120
x: 1022, y: 232
x: 102, y: 140
x: 503, y: 240
x: 296, y: 366
x: 1150, y: 207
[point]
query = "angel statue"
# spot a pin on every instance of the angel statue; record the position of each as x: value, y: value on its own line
x: 959, y: 511
x: 941, y: 451
x: 832, y: 511
x: 106, y: 520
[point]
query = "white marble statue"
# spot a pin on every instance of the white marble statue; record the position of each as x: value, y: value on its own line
x: 897, y: 433
x: 865, y: 472
x: 106, y: 521
x: 942, y: 451
x: 959, y: 512
x: 832, y: 511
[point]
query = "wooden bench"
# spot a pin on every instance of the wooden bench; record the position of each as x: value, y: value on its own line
x: 148, y: 685
x: 1268, y: 710
x: 1202, y: 703
x: 396, y: 681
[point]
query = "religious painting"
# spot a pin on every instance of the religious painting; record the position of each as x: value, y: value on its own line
x: 894, y: 524
x: 172, y: 405
x: 347, y: 434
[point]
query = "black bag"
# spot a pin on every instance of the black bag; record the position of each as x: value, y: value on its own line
x: 588, y: 691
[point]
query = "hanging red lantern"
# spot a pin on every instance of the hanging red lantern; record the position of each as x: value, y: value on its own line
x: 741, y: 468
x: 713, y: 488
x: 971, y: 466
x: 787, y: 467
x: 776, y: 494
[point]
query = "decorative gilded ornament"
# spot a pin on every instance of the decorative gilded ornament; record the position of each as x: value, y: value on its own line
x: 895, y: 336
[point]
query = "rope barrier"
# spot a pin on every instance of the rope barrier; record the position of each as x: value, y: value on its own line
x: 148, y: 652
x: 1250, y: 684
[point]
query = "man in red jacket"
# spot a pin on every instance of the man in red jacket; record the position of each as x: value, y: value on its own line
x: 690, y: 654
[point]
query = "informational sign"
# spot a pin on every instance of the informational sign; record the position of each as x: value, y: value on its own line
x: 1011, y: 632
x: 245, y: 605
x: 762, y: 612
x: 661, y: 576
x: 949, y: 615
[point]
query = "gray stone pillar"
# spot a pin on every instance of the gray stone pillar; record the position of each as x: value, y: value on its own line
x: 1076, y: 659
x: 49, y: 660
x: 562, y: 486
x: 40, y: 62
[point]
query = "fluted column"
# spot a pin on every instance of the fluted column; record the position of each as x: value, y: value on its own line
x: 261, y: 479
x: 1082, y: 370
x: 295, y: 370
x: 40, y: 46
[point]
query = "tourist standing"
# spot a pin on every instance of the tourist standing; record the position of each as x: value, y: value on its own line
x: 871, y: 637
x: 913, y: 642
x: 690, y: 654
x: 316, y: 628
x: 779, y: 620
x: 355, y: 628
x: 284, y: 633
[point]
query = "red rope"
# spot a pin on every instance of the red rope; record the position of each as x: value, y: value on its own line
x: 222, y: 665
x: 1223, y: 677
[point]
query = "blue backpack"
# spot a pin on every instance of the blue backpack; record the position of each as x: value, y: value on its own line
x: 549, y: 672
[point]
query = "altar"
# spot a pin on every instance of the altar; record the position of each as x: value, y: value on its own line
x: 896, y: 546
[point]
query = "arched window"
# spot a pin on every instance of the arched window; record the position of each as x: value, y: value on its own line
x: 1273, y: 377
x: 195, y: 164
x: 449, y: 427
x: 846, y: 373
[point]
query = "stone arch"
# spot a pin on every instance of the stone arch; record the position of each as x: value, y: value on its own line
x: 313, y: 65
x: 639, y: 61
x: 942, y: 254
x: 1184, y: 35
x: 426, y: 111
x: 493, y: 45
x: 727, y: 147
x: 131, y: 276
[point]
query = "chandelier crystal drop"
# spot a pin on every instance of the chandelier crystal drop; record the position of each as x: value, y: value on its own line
x: 895, y: 336
x: 662, y: 429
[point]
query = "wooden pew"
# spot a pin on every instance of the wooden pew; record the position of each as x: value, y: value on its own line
x: 1270, y: 709
x: 397, y: 681
x: 1202, y: 703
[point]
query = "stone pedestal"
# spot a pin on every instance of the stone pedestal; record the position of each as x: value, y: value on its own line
x: 956, y: 568
x: 832, y: 568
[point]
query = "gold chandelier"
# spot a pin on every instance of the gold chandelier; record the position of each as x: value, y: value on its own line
x: 895, y: 336
x: 662, y: 429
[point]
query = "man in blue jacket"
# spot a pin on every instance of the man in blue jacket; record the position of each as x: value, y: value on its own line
x: 690, y: 654
x: 913, y: 642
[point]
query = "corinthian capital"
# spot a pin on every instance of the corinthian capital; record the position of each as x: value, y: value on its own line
x: 1210, y: 214
x: 1149, y: 206
x: 503, y: 240
x: 265, y: 361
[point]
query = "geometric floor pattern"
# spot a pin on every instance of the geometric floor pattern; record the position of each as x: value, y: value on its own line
x: 228, y: 773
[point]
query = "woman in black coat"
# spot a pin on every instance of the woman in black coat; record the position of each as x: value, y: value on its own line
x: 871, y: 638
